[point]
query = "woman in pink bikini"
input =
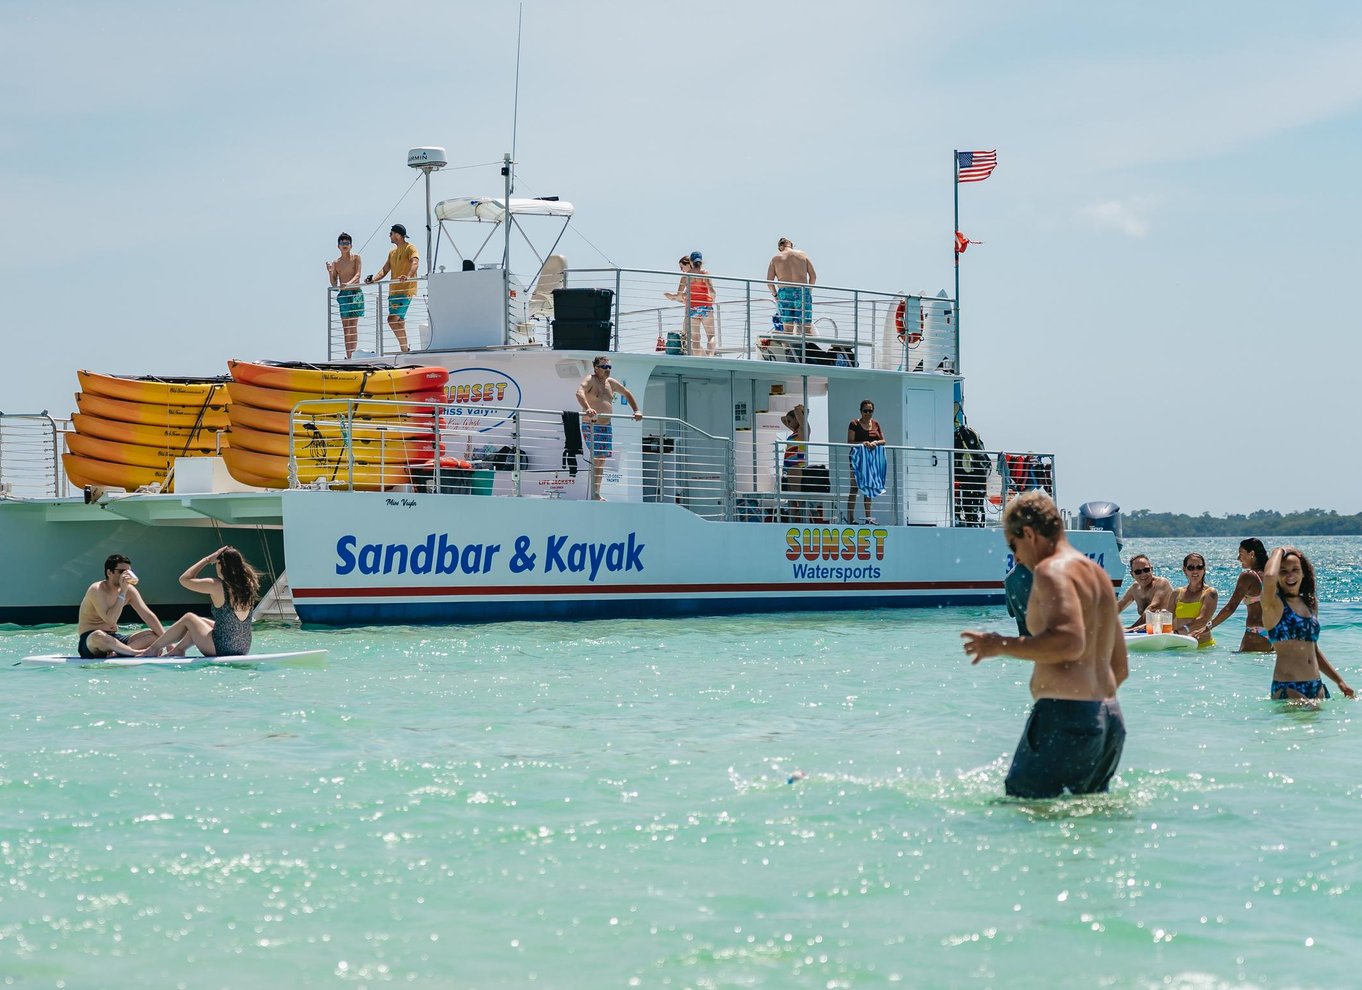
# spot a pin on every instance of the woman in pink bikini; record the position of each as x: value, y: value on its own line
x: 1249, y: 590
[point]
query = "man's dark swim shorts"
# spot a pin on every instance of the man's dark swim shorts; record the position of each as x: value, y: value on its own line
x: 1069, y: 746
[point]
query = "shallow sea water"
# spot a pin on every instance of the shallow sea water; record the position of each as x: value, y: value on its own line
x: 609, y: 804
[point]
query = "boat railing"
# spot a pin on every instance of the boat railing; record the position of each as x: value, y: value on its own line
x: 922, y: 486
x: 30, y: 456
x: 477, y: 448
x: 658, y: 311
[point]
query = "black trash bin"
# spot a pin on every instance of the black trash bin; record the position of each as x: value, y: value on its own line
x: 581, y: 319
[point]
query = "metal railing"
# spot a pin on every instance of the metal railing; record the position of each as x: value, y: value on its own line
x: 923, y: 486
x: 30, y: 456
x: 883, y: 330
x: 539, y: 453
x: 523, y: 453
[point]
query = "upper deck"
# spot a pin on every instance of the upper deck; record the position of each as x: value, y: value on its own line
x: 651, y: 311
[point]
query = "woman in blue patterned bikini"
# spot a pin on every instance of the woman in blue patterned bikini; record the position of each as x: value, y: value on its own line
x: 233, y: 594
x: 1290, y: 611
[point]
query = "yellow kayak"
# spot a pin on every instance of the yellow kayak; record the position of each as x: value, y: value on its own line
x: 283, y: 400
x: 274, y: 421
x: 152, y: 390
x: 311, y: 443
x: 252, y: 467
x: 132, y: 454
x: 340, y: 381
x: 91, y: 471
x: 213, y: 417
x: 177, y: 437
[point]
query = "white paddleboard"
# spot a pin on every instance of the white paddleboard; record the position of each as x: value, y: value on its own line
x: 293, y: 657
x: 1145, y: 643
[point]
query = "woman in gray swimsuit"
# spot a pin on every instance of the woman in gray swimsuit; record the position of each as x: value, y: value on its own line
x: 233, y: 594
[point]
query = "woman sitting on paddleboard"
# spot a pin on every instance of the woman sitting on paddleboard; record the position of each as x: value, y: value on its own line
x: 1193, y: 600
x: 233, y: 593
x: 1249, y: 590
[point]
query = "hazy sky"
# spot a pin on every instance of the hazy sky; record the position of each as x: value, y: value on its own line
x: 1165, y: 295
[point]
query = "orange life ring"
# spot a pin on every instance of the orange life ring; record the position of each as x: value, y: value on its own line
x: 911, y: 339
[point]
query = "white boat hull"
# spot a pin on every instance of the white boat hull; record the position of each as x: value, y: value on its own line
x: 370, y: 558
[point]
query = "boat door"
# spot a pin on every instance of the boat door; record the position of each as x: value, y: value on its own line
x: 701, y: 480
x: 924, y: 476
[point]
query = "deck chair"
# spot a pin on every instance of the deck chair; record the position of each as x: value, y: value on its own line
x: 539, y: 310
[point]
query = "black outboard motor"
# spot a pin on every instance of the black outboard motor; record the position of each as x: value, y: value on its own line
x: 1101, y: 515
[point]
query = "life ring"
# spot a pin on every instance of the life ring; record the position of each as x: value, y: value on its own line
x: 909, y: 339
x: 446, y: 464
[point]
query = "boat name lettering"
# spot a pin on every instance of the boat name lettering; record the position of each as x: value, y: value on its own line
x: 835, y: 543
x: 438, y: 554
x: 428, y: 557
x: 808, y: 572
x: 406, y: 503
x: 624, y: 555
x: 478, y: 392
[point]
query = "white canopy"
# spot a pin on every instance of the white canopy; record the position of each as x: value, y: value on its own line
x: 493, y: 210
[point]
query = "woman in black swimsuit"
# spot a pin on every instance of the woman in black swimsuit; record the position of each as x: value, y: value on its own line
x: 233, y: 593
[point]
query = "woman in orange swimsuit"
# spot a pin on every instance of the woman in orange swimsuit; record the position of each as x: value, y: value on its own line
x: 1249, y: 590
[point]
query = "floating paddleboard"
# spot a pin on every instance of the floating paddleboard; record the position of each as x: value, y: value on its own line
x: 294, y: 657
x: 1145, y: 643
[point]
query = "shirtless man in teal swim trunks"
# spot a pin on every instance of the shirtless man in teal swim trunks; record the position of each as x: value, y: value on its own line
x: 1075, y: 734
x: 345, y: 276
x: 790, y: 275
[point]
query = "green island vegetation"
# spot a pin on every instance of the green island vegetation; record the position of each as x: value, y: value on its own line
x: 1261, y: 523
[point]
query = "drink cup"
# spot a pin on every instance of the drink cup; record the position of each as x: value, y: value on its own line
x: 132, y: 577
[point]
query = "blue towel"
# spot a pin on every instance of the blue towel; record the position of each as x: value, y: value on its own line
x: 869, y: 467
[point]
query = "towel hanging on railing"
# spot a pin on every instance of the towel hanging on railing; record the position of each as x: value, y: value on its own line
x: 869, y: 467
x: 572, y: 440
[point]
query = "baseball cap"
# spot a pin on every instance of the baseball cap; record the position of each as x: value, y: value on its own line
x: 696, y: 256
x: 397, y: 228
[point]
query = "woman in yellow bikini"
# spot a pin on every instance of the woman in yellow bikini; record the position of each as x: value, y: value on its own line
x: 1249, y: 590
x: 1193, y: 600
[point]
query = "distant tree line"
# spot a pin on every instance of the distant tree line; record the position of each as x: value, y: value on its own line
x: 1264, y: 522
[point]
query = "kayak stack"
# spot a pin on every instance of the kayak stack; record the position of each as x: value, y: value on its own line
x: 309, y: 411
x: 128, y: 431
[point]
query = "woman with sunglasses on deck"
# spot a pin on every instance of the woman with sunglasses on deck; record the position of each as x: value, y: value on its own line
x: 1290, y: 613
x: 1194, y: 600
x: 1249, y: 590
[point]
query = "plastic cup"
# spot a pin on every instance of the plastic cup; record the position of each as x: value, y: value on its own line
x: 132, y: 577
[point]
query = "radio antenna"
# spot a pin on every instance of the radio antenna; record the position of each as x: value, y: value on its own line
x: 515, y: 110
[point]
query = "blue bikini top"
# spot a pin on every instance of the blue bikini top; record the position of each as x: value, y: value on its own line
x: 1293, y: 626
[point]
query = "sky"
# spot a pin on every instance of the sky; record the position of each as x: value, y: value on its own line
x: 1164, y: 296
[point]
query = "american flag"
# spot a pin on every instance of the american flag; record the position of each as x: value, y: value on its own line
x: 976, y: 166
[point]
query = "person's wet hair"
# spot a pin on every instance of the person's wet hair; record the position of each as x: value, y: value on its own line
x: 1255, y: 546
x: 1307, y: 577
x: 1034, y: 509
x: 240, y: 581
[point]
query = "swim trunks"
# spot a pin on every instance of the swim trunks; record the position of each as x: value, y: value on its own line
x: 84, y: 650
x: 699, y: 312
x: 795, y: 304
x: 597, y: 438
x: 1069, y: 746
x: 1306, y: 689
x: 398, y: 305
x: 231, y: 635
x: 350, y: 302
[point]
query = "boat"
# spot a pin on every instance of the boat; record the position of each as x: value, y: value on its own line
x: 704, y: 505
x: 181, y: 439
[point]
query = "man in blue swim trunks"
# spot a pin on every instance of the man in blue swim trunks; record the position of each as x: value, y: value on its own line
x: 790, y: 275
x: 404, y: 264
x: 345, y: 276
x: 596, y: 396
x: 1074, y: 736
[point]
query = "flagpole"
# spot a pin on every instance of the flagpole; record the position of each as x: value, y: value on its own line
x: 955, y: 242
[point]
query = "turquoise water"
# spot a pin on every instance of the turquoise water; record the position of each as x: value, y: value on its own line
x: 608, y: 804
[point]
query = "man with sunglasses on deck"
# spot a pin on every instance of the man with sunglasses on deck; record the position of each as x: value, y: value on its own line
x: 596, y: 396
x: 1146, y: 592
x: 1074, y: 736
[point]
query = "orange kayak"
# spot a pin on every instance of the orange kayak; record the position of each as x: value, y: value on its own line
x: 173, y: 437
x: 252, y: 468
x: 283, y: 400
x: 152, y: 390
x: 274, y: 421
x: 132, y: 454
x: 91, y: 471
x: 312, y: 444
x: 213, y: 417
x: 346, y: 381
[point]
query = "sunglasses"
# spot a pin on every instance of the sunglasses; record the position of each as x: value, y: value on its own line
x: 343, y: 243
x: 1140, y: 570
x: 867, y: 408
x: 605, y: 367
x: 1194, y: 567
